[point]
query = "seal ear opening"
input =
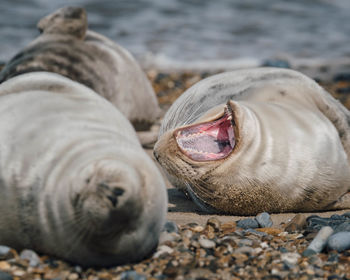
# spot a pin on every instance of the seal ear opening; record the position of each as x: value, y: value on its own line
x: 208, y: 141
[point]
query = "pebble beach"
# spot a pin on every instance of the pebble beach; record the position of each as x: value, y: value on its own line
x: 194, y: 245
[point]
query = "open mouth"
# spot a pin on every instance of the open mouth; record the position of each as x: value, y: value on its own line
x: 208, y: 141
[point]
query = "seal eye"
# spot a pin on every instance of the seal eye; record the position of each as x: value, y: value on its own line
x: 208, y: 141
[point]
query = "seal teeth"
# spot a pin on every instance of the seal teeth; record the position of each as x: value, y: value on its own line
x: 208, y: 141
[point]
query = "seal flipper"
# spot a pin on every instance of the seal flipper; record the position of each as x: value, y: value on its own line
x: 342, y: 203
x: 65, y: 21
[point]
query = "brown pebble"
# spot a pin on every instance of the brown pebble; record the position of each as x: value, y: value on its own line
x: 228, y: 228
x: 298, y: 223
x: 4, y: 265
x: 214, y: 223
x: 272, y: 231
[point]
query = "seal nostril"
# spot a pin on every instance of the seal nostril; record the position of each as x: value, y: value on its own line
x: 113, y: 199
x: 118, y: 191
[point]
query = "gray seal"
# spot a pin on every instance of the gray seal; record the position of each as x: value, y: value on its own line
x: 75, y: 181
x: 258, y: 140
x: 67, y: 47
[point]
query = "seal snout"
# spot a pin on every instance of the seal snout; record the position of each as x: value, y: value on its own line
x: 112, y: 193
x: 208, y: 141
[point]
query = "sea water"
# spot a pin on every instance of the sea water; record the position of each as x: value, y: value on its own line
x: 202, y: 32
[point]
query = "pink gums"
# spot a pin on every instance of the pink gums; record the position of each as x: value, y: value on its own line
x: 207, y: 141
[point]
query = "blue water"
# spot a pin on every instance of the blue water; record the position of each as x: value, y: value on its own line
x: 197, y: 30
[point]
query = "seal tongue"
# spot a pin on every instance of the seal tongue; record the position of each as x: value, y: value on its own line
x: 208, y: 141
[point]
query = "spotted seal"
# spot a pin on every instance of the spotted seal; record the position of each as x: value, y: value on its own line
x: 68, y: 48
x: 75, y: 182
x: 256, y: 140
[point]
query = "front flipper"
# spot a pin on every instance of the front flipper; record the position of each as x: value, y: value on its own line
x: 342, y: 203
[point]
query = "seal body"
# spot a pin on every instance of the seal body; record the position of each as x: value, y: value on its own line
x: 66, y: 47
x: 258, y: 140
x: 75, y: 182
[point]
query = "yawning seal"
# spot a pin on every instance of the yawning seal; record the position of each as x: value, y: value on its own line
x: 258, y: 140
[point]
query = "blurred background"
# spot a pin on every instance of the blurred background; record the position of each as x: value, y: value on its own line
x: 162, y: 33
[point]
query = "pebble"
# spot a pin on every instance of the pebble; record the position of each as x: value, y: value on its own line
x: 255, y: 232
x: 343, y: 227
x: 5, y: 276
x: 132, y: 275
x: 163, y: 249
x: 298, y: 223
x: 339, y: 241
x: 290, y: 258
x: 245, y: 250
x: 170, y: 227
x: 4, y: 252
x: 319, y: 242
x: 264, y: 220
x: 166, y: 237
x: 214, y: 223
x: 31, y: 256
x: 247, y: 223
x: 206, y: 243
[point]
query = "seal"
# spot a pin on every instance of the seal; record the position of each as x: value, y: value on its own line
x: 68, y: 48
x: 75, y: 181
x: 257, y: 140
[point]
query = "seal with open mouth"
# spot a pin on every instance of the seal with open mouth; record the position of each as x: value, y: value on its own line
x: 258, y: 140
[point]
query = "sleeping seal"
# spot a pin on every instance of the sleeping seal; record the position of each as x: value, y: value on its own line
x: 66, y: 47
x: 258, y: 140
x: 75, y: 182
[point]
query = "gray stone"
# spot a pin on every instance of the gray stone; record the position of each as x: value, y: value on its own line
x: 170, y: 227
x: 168, y: 237
x: 30, y: 256
x: 339, y: 241
x: 264, y: 220
x: 342, y: 227
x: 319, y: 242
x: 247, y: 223
x: 206, y: 243
x: 5, y: 276
x: 163, y: 250
x: 245, y: 250
x: 245, y: 242
x: 347, y: 214
x: 4, y: 251
x: 309, y: 252
x: 290, y: 259
x: 132, y: 275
